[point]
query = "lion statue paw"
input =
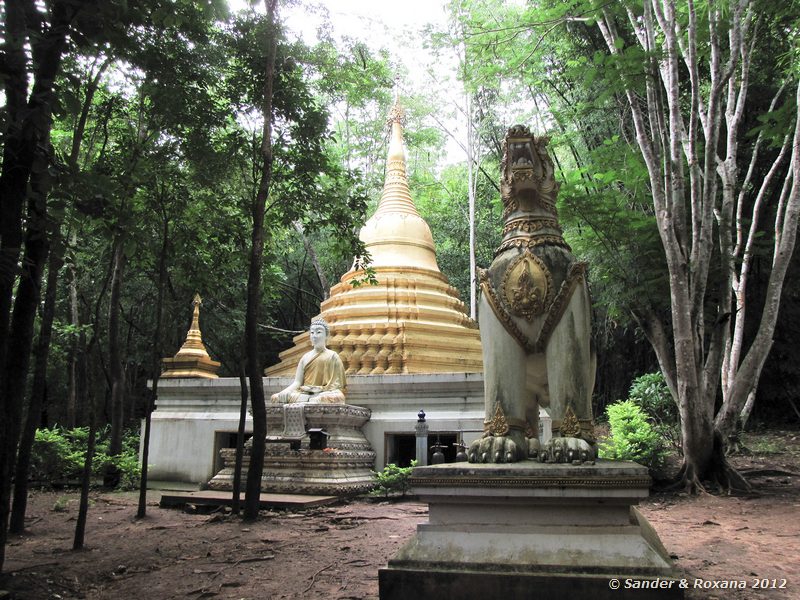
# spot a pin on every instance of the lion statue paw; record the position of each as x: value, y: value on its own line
x: 569, y: 450
x: 494, y: 449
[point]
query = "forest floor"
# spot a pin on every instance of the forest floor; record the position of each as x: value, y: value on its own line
x: 335, y: 552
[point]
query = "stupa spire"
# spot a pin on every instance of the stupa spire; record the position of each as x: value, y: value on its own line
x: 192, y: 360
x: 396, y: 235
x: 396, y: 197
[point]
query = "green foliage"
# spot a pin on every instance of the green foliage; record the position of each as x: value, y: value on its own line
x: 61, y: 504
x: 632, y: 437
x: 58, y: 455
x: 650, y: 392
x: 393, y: 480
x: 54, y: 456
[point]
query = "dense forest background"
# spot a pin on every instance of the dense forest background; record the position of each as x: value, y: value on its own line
x: 132, y: 155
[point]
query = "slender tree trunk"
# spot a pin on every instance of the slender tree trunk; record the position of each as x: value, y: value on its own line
x: 312, y: 254
x: 86, y: 478
x: 33, y: 417
x: 115, y: 358
x: 237, y: 469
x: 156, y: 365
x: 786, y: 222
x: 471, y: 193
x: 77, y: 343
x: 253, y: 493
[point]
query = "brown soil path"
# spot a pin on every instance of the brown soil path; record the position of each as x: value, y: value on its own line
x: 335, y: 552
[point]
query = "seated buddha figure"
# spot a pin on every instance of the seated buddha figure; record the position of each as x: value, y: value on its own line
x: 320, y: 373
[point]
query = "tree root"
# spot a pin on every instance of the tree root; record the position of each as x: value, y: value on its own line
x: 719, y: 476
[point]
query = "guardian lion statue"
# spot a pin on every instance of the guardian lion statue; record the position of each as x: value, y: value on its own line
x: 535, y: 321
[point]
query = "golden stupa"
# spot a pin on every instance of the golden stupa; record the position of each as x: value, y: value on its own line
x: 192, y: 360
x: 413, y: 320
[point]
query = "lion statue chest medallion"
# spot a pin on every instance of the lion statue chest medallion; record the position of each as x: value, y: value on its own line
x: 527, y: 287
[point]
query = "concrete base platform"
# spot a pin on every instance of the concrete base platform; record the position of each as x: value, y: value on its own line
x: 531, y: 530
x: 401, y: 584
x: 216, y: 498
x: 343, y: 467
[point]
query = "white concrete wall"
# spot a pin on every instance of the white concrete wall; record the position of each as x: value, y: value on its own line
x: 191, y: 412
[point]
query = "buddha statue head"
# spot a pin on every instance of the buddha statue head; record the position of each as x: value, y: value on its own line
x: 318, y: 332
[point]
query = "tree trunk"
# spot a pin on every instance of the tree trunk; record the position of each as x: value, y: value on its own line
x: 20, y: 339
x: 312, y: 254
x: 253, y: 493
x: 111, y: 478
x: 786, y: 222
x: 237, y: 469
x: 35, y: 403
x: 471, y: 191
x: 156, y: 365
x: 27, y: 131
x: 86, y: 478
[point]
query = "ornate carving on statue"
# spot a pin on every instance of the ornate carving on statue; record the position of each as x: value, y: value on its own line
x: 502, y: 315
x: 530, y: 225
x: 498, y: 425
x: 535, y: 306
x: 555, y: 311
x: 527, y: 286
x: 545, y: 240
x: 569, y: 425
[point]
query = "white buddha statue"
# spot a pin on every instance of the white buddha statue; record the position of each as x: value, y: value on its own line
x: 320, y: 373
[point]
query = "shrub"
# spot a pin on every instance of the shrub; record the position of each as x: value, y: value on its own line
x: 58, y: 455
x: 651, y: 393
x: 393, y: 479
x: 632, y: 437
x: 54, y: 457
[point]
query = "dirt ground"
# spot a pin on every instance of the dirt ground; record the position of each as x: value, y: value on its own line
x: 335, y: 552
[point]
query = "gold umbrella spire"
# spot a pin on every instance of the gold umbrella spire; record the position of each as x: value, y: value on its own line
x: 396, y: 197
x: 396, y: 235
x: 192, y: 360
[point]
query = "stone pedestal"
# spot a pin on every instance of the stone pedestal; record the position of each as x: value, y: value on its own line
x: 343, y: 467
x: 530, y: 530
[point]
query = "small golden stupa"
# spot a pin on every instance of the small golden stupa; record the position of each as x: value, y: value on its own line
x: 413, y: 320
x: 192, y: 360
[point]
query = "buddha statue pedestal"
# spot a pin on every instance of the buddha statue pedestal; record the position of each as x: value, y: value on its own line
x: 530, y: 530
x: 332, y: 457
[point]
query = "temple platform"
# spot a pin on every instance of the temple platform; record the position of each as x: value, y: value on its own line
x: 530, y: 530
x: 196, y: 418
x: 339, y: 462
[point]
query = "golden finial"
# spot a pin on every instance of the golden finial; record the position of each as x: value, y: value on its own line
x: 192, y: 360
x: 196, y: 313
x: 397, y: 114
